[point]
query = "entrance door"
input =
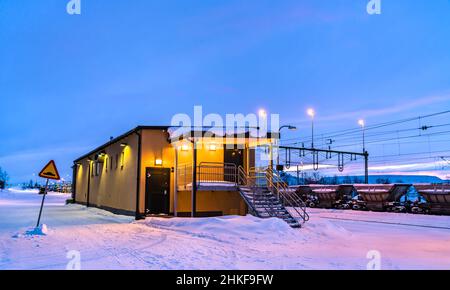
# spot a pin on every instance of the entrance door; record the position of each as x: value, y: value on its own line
x: 233, y: 156
x: 157, y: 190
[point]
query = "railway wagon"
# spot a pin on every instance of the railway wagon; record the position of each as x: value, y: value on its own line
x: 333, y: 196
x: 382, y: 197
x: 437, y: 197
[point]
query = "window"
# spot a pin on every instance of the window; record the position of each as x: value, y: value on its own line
x: 122, y: 160
x: 117, y: 161
x: 111, y: 163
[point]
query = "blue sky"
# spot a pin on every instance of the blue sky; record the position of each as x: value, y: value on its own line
x: 69, y: 82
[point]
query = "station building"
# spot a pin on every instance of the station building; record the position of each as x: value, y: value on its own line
x: 151, y: 171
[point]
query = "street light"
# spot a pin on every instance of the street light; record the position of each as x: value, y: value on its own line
x: 289, y: 127
x: 362, y: 123
x: 263, y: 116
x: 262, y: 113
x: 312, y: 114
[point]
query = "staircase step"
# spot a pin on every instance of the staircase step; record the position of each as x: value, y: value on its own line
x: 266, y: 204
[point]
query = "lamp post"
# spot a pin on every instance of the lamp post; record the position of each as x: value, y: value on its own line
x: 289, y: 127
x: 312, y: 113
x: 362, y: 123
x: 262, y: 118
x: 262, y: 113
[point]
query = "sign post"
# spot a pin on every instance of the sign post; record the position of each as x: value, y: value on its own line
x: 50, y: 172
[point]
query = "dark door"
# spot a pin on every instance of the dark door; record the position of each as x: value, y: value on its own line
x: 157, y: 190
x: 233, y: 156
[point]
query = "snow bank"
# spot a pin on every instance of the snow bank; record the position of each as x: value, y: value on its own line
x: 227, y: 227
x: 100, y: 212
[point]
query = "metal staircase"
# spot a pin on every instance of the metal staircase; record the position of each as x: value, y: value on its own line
x: 268, y: 196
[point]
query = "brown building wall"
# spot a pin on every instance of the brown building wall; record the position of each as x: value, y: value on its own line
x: 113, y: 186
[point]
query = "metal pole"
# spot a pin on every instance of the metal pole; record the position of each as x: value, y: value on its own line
x: 175, y: 186
x: 366, y: 167
x: 42, y: 204
x: 364, y: 139
x: 194, y: 180
x: 271, y: 156
x: 312, y: 132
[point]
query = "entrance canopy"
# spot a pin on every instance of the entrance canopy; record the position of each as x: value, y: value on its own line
x: 212, y: 138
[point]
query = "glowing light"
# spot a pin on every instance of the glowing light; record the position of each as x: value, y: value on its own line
x: 362, y: 123
x: 262, y: 113
x: 311, y: 112
x: 212, y: 147
x: 185, y: 147
x: 158, y: 162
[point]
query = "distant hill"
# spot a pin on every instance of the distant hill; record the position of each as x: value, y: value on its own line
x: 408, y: 179
x: 373, y: 179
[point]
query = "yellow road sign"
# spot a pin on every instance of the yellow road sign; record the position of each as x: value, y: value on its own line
x: 50, y: 171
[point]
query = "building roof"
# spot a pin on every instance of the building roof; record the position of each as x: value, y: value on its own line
x: 188, y: 134
x: 117, y: 139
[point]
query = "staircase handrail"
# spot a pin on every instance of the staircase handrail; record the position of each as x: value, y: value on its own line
x: 245, y: 179
x: 286, y: 195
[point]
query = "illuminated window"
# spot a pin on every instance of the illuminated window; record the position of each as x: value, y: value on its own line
x: 97, y: 168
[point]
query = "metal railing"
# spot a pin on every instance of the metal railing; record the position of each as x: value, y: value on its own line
x: 288, y: 197
x: 215, y: 172
x: 253, y: 180
x: 207, y: 173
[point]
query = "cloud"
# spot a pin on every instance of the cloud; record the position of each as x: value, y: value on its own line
x: 397, y: 108
x: 402, y: 106
x: 410, y: 167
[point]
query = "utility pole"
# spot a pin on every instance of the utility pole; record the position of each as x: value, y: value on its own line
x: 312, y: 113
x: 362, y: 123
x: 366, y: 167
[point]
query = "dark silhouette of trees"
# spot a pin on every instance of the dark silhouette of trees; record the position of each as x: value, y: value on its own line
x: 4, y: 178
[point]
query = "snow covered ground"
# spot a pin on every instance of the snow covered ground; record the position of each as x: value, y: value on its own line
x: 331, y: 240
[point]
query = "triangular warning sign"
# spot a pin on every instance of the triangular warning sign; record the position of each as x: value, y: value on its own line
x: 50, y: 171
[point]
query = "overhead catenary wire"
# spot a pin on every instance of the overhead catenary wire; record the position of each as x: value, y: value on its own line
x: 369, y: 128
x: 336, y: 139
